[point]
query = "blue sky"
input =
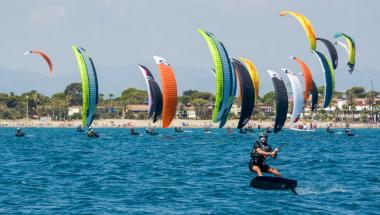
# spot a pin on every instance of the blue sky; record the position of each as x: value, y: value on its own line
x: 121, y: 34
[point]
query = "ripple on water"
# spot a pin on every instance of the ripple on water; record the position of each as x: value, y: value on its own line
x: 61, y: 171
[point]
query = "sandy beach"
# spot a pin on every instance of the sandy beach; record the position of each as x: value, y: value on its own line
x: 124, y: 123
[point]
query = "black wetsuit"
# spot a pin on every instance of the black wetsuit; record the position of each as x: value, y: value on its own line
x: 92, y: 133
x: 20, y: 133
x: 257, y: 159
x: 328, y: 130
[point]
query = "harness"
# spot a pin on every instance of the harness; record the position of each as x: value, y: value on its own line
x: 255, y: 155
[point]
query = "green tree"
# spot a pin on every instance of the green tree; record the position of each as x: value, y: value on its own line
x: 59, y: 104
x: 358, y: 92
x: 134, y: 96
x: 269, y: 98
x: 351, y: 101
x: 201, y: 95
x: 185, y: 100
x: 74, y: 91
x: 199, y: 105
x: 35, y: 99
x: 189, y: 92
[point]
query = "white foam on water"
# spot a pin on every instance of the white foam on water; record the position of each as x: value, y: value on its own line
x: 313, y: 191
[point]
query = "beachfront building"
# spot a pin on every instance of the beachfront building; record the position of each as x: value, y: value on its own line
x: 139, y: 111
x: 361, y: 109
x: 74, y: 110
x: 342, y: 110
x: 191, y: 115
x: 137, y: 108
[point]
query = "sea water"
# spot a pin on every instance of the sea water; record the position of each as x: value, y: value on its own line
x: 61, y: 171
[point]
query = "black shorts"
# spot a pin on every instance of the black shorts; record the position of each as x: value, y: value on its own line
x: 263, y: 167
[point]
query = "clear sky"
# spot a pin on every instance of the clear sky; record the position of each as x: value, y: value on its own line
x: 120, y: 34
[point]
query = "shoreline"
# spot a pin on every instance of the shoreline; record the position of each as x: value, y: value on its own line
x: 125, y: 123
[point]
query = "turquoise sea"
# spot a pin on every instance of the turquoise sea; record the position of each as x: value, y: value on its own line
x: 60, y: 171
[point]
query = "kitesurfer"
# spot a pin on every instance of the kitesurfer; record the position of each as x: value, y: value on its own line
x: 79, y: 128
x: 150, y: 131
x: 229, y: 130
x: 19, y: 133
x: 206, y: 129
x: 328, y: 129
x: 267, y: 130
x: 260, y: 151
x: 347, y: 130
x: 92, y: 133
x: 133, y: 131
x: 178, y: 129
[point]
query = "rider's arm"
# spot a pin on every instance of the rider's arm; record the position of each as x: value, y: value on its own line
x: 274, y: 152
x: 262, y: 153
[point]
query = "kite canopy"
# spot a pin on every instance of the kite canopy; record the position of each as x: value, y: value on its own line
x: 306, y: 26
x: 218, y: 72
x: 89, y: 85
x: 332, y: 50
x: 247, y: 92
x: 281, y: 100
x: 308, y: 78
x: 154, y: 94
x: 297, y: 95
x: 329, y: 77
x: 229, y: 82
x: 45, y: 56
x: 225, y: 78
x: 314, y: 97
x: 169, y: 91
x: 350, y: 48
x: 254, y: 75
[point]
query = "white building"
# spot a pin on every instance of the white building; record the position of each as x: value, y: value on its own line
x: 74, y: 110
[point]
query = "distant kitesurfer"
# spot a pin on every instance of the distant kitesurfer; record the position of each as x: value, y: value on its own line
x: 133, y: 131
x: 79, y: 128
x: 150, y: 130
x: 92, y: 133
x: 229, y: 130
x: 267, y: 130
x: 178, y: 129
x: 206, y: 129
x: 260, y: 151
x: 347, y: 130
x: 328, y: 129
x: 19, y: 133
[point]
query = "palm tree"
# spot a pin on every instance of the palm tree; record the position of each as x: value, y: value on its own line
x: 364, y: 115
x: 199, y: 105
x: 336, y: 114
x: 110, y: 96
x: 345, y: 110
x: 123, y: 104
